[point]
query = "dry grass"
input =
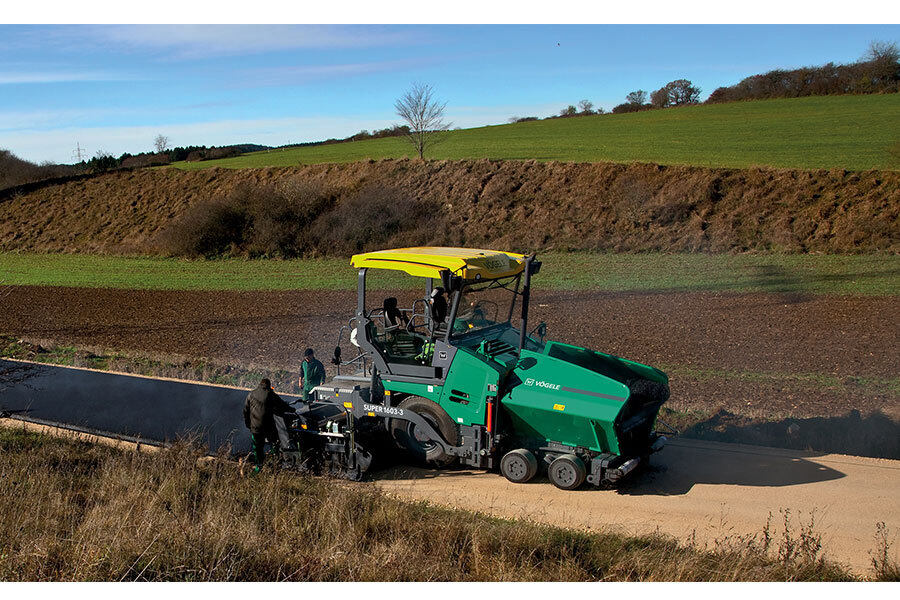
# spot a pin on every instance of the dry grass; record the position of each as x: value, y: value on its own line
x: 73, y: 511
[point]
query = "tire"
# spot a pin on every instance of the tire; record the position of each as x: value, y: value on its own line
x: 567, y: 472
x: 405, y: 434
x: 519, y: 466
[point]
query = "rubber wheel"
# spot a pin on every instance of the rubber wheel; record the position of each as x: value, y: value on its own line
x: 519, y: 466
x: 409, y: 437
x: 567, y: 472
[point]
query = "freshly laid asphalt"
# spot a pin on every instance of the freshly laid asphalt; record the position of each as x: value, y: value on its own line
x: 126, y: 406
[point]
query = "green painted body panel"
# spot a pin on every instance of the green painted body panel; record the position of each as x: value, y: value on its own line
x: 470, y: 373
x: 551, y: 403
x: 416, y: 389
x: 557, y: 392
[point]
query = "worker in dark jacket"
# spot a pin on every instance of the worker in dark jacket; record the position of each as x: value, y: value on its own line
x: 260, y: 408
x: 312, y: 373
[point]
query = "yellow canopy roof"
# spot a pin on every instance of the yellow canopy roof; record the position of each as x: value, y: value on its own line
x: 429, y: 261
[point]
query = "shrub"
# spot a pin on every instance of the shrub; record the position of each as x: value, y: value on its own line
x: 298, y: 218
x: 628, y: 107
x: 374, y: 217
x: 249, y: 221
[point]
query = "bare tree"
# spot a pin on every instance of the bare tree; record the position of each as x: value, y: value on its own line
x: 425, y: 117
x: 882, y: 51
x: 637, y: 97
x: 161, y: 143
x: 587, y: 107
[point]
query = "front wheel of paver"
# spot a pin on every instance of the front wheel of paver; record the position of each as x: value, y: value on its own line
x: 567, y: 472
x: 417, y: 442
x: 519, y: 465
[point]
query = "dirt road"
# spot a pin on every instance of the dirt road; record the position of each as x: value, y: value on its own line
x: 704, y: 488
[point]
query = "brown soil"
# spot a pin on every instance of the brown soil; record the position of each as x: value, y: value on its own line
x: 737, y: 352
x: 500, y: 203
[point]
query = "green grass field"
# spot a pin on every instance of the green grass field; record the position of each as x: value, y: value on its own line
x: 870, y: 275
x: 849, y: 132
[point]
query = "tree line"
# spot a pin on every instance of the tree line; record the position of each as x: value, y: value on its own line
x: 877, y: 72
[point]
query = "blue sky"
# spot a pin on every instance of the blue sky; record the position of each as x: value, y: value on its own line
x: 114, y: 88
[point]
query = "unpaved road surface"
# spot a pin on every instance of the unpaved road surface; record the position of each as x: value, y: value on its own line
x: 707, y: 489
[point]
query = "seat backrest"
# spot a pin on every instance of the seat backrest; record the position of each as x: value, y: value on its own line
x: 392, y: 314
x: 439, y: 309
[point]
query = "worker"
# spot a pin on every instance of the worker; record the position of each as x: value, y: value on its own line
x: 312, y: 373
x: 427, y: 352
x: 260, y: 409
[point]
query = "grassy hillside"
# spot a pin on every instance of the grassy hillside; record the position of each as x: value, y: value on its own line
x: 819, y: 274
x: 849, y: 132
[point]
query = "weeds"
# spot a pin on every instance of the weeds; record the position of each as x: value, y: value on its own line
x: 885, y: 567
x: 89, y: 513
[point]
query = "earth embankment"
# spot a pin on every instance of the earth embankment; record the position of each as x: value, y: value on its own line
x: 508, y: 204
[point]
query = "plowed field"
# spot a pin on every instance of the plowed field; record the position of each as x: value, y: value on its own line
x: 759, y: 355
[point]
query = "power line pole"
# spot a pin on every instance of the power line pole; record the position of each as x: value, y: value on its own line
x: 79, y: 153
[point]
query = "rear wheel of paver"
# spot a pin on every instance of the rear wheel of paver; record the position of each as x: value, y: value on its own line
x: 567, y: 472
x: 519, y: 465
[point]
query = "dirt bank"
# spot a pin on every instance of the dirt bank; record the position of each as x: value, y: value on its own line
x: 512, y: 204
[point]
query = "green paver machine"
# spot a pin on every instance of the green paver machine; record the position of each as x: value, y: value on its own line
x: 452, y: 379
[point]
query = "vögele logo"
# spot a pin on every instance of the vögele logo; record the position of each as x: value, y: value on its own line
x: 543, y: 384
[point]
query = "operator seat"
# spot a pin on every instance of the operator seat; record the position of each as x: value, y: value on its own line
x: 398, y: 342
x: 393, y: 316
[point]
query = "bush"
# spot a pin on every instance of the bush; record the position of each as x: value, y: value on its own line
x: 144, y: 160
x: 298, y: 218
x: 629, y: 107
x: 375, y: 217
x: 249, y: 221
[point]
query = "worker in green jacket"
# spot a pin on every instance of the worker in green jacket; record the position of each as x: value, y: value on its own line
x: 312, y: 373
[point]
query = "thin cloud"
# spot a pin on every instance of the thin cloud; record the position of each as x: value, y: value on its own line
x: 59, y: 77
x: 201, y: 41
x: 293, y: 75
